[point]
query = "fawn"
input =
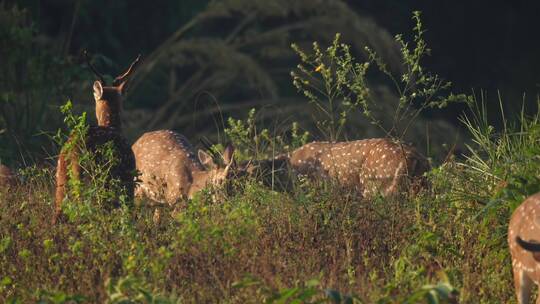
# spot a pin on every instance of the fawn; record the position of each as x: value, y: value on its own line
x: 369, y: 166
x: 169, y: 169
x: 524, y: 243
x: 108, y: 101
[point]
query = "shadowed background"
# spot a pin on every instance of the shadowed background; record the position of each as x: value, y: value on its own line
x: 204, y: 61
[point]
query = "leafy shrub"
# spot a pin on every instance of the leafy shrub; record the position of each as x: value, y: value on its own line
x: 338, y: 85
x: 253, y: 141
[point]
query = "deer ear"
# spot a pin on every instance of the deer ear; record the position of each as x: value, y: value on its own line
x: 98, y: 90
x: 206, y: 159
x: 228, y: 154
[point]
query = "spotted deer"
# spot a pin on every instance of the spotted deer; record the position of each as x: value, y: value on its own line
x: 108, y: 102
x: 524, y: 243
x: 370, y: 166
x: 170, y: 170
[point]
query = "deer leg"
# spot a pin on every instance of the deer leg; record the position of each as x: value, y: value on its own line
x: 75, y: 173
x: 61, y: 180
x: 157, y: 216
x: 62, y: 177
x: 138, y: 191
x: 75, y: 166
x: 523, y: 285
x: 393, y: 188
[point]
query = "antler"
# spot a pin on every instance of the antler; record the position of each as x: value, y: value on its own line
x: 118, y: 80
x: 98, y: 74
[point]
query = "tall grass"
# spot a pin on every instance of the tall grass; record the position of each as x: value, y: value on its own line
x: 258, y: 245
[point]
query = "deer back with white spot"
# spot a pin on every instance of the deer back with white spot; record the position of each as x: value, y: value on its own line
x: 170, y: 170
x: 369, y: 165
x: 524, y: 243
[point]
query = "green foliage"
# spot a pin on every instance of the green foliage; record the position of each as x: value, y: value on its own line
x: 130, y: 290
x: 338, y: 90
x: 213, y: 228
x: 434, y: 294
x: 386, y: 251
x: 252, y: 141
x: 307, y: 292
x: 96, y: 167
x: 47, y: 297
x: 338, y: 85
x: 504, y: 160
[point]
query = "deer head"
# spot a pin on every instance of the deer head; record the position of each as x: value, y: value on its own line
x: 216, y: 173
x: 109, y: 98
x: 523, y: 240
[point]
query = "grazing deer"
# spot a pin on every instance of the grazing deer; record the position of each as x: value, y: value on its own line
x: 369, y: 166
x: 524, y: 242
x: 169, y: 169
x: 7, y: 177
x: 108, y: 108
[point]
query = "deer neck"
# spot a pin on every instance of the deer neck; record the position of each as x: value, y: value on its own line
x: 201, y: 178
x: 107, y: 116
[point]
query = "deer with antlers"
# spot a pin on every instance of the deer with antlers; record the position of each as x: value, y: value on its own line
x: 108, y: 101
x: 524, y: 243
x: 369, y: 166
x: 170, y: 170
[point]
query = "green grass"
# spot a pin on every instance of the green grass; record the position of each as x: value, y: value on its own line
x: 313, y: 243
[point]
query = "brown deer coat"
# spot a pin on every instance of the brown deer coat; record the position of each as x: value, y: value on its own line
x: 369, y: 165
